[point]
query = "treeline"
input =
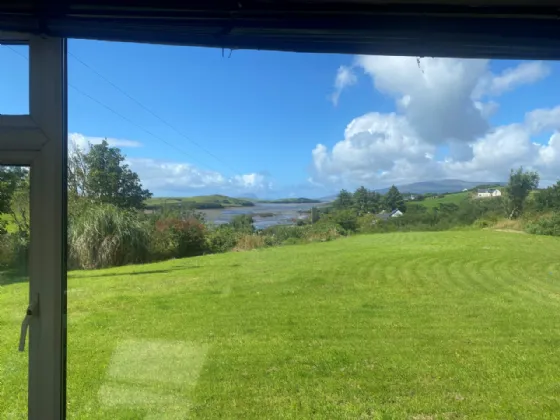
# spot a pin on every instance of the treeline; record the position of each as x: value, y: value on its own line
x: 108, y: 224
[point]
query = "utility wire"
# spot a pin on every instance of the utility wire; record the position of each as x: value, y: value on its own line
x: 145, y: 108
x: 120, y: 115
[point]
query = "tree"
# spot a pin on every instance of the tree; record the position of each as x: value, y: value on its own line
x: 394, y: 200
x: 374, y: 202
x: 361, y: 201
x: 520, y: 184
x: 242, y: 223
x: 11, y: 178
x: 102, y: 176
x: 548, y: 199
x: 19, y: 207
x: 366, y: 201
x: 314, y: 214
x: 344, y: 200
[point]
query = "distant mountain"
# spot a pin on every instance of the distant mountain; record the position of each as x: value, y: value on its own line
x: 299, y: 200
x: 438, y: 187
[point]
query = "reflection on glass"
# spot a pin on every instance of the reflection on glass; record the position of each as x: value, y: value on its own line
x: 14, y: 289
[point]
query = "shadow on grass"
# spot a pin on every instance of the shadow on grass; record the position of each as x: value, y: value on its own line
x: 78, y: 274
x: 13, y: 276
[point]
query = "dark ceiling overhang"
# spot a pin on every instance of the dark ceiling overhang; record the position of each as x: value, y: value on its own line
x: 493, y: 28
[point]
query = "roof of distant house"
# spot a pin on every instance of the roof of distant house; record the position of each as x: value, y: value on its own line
x: 384, y: 215
x: 487, y: 190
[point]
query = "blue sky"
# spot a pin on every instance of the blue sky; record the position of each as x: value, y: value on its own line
x: 283, y: 124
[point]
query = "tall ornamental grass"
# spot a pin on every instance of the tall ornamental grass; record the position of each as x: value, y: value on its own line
x: 106, y: 236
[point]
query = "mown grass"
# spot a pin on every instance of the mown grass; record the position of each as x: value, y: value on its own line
x: 455, y: 198
x: 450, y: 325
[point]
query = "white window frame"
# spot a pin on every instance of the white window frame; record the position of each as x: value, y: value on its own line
x: 39, y: 140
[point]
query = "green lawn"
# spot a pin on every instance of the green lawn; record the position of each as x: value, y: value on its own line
x: 455, y: 198
x: 451, y: 325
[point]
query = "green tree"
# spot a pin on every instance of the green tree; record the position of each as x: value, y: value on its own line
x: 520, y: 184
x: 344, y: 200
x: 366, y: 201
x: 548, y: 199
x: 374, y: 202
x: 19, y: 207
x: 394, y: 200
x: 242, y: 223
x: 361, y: 201
x: 11, y: 177
x: 314, y: 215
x: 102, y: 176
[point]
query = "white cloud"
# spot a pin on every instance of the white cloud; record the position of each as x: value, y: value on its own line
x: 441, y: 127
x: 184, y: 178
x: 524, y: 73
x: 82, y: 141
x: 344, y: 77
x: 374, y: 145
x: 435, y: 96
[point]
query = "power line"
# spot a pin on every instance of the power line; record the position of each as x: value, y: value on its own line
x: 121, y: 115
x: 145, y: 108
x: 81, y: 92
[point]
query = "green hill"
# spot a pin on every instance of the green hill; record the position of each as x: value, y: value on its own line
x: 199, y: 202
x: 432, y: 202
x: 446, y: 325
x: 300, y: 200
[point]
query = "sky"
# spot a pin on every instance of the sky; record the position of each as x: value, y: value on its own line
x: 195, y: 121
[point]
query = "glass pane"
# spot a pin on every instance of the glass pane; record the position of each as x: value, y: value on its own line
x: 14, y: 79
x: 14, y: 289
x: 329, y: 237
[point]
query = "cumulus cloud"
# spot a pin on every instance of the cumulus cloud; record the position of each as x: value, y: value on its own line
x: 82, y: 141
x: 160, y: 175
x: 344, y: 77
x: 435, y: 95
x: 443, y: 106
x: 524, y: 73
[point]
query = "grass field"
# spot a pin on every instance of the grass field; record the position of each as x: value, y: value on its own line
x: 451, y: 325
x: 455, y: 198
x: 199, y: 202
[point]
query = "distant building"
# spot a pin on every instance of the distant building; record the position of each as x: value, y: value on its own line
x: 488, y: 192
x: 386, y: 216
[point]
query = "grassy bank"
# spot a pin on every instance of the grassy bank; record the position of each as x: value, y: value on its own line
x: 449, y: 325
x: 199, y: 202
x: 429, y: 202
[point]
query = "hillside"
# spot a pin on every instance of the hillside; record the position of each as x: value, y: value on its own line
x: 446, y: 199
x: 199, y: 202
x: 300, y: 200
x: 446, y: 325
x: 436, y: 187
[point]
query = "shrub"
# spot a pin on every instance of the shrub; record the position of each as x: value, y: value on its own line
x: 346, y: 219
x: 242, y: 223
x: 105, y: 236
x: 14, y: 251
x: 221, y: 239
x: 250, y: 241
x: 281, y: 233
x: 177, y: 237
x: 549, y: 225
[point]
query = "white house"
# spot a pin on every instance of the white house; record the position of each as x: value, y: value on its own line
x: 488, y: 192
x: 385, y: 216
